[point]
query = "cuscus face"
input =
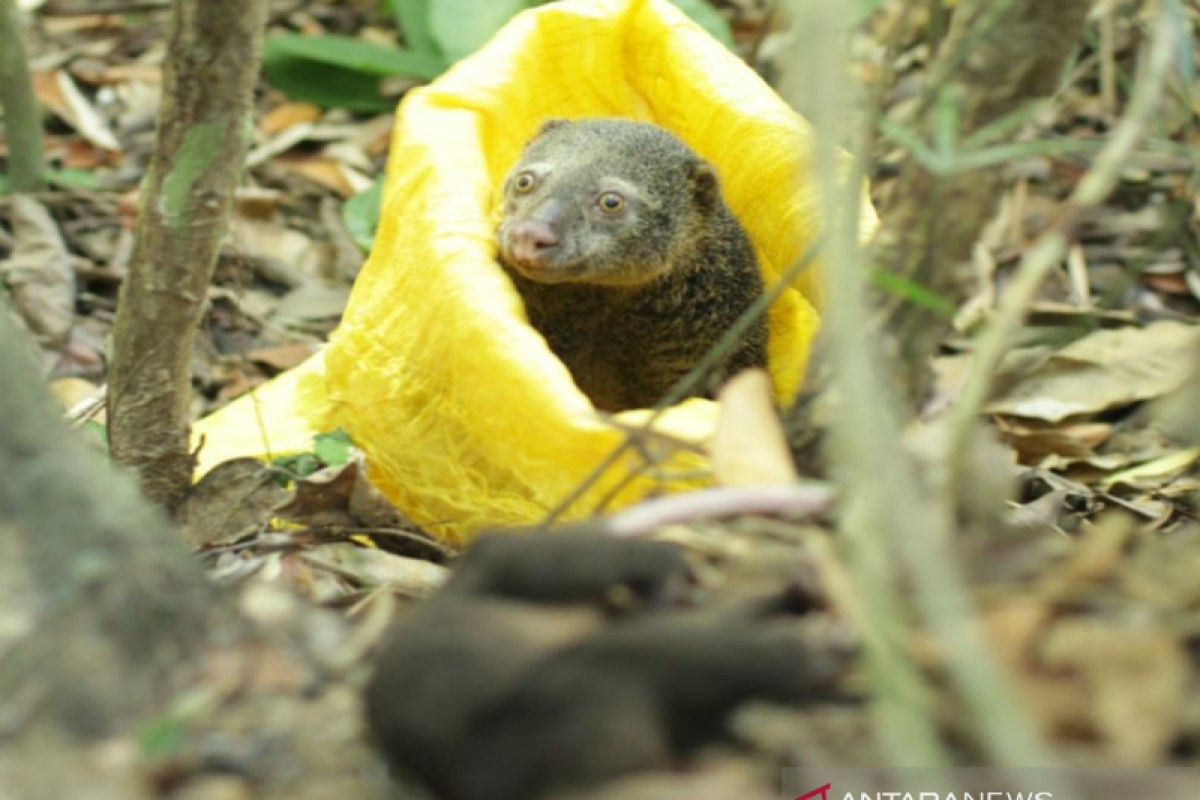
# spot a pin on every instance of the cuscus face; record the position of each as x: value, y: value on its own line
x: 600, y: 201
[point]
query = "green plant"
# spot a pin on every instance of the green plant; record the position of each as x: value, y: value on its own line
x: 343, y: 72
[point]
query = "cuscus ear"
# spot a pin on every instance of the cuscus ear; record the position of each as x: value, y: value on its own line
x: 706, y: 186
x: 551, y: 124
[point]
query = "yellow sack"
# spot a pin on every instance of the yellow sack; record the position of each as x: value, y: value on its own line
x: 467, y: 418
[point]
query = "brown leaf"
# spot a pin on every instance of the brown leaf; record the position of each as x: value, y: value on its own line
x: 282, y: 357
x: 286, y: 115
x: 41, y: 275
x: 235, y: 498
x: 1072, y: 441
x: 57, y: 90
x: 328, y: 172
x: 1106, y: 369
x: 1134, y: 681
x: 342, y: 496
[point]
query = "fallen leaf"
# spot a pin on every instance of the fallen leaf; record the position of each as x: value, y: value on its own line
x: 314, y: 300
x: 749, y: 446
x: 57, y: 89
x: 1034, y: 441
x: 1160, y: 467
x: 41, y: 276
x: 1103, y: 370
x: 235, y: 498
x: 328, y: 172
x: 282, y: 357
x: 286, y: 115
x: 286, y: 252
x: 1134, y: 682
x: 70, y: 392
x: 368, y: 567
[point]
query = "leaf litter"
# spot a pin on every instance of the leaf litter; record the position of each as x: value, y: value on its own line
x: 1089, y: 598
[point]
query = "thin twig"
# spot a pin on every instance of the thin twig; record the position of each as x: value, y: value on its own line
x: 724, y: 501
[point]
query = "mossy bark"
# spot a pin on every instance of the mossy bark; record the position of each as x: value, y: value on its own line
x: 204, y: 129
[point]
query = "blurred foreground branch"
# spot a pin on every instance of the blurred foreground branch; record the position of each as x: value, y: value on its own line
x: 103, y: 612
x: 22, y: 117
x: 929, y: 231
x: 991, y: 65
x: 896, y: 530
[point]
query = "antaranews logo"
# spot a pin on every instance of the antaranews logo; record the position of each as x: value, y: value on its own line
x: 983, y: 783
x: 823, y: 792
x: 815, y: 792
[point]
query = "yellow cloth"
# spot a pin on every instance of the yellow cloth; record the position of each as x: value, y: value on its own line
x: 467, y: 418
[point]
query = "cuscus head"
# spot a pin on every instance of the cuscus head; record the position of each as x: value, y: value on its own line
x: 603, y: 201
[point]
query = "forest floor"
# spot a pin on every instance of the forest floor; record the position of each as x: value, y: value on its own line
x: 1090, y: 597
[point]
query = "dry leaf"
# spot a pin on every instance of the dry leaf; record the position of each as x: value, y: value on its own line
x: 749, y: 447
x: 1134, y: 681
x: 286, y: 115
x: 1106, y: 369
x: 1072, y: 441
x: 234, y: 499
x: 1162, y: 467
x: 57, y: 90
x: 367, y: 566
x: 285, y: 252
x: 328, y: 172
x: 343, y: 496
x: 281, y: 357
x: 70, y: 392
x: 314, y: 300
x: 41, y: 276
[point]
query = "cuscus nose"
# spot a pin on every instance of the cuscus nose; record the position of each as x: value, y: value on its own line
x: 531, y: 240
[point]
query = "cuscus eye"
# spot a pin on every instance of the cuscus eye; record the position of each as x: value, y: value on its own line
x: 525, y: 182
x: 611, y: 202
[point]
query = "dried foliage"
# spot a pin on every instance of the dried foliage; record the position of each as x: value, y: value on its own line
x: 1046, y: 311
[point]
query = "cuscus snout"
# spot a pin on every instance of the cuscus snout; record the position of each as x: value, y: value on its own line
x: 532, y: 241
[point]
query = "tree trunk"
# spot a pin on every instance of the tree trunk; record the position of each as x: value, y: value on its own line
x: 203, y: 132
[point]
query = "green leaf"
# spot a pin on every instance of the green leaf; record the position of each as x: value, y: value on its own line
x: 355, y: 54
x: 707, y: 17
x: 333, y: 448
x: 326, y: 86
x: 73, y: 178
x: 463, y: 26
x: 361, y: 214
x: 865, y: 9
x: 97, y: 430
x: 163, y: 737
x: 285, y: 469
x: 913, y: 292
x: 413, y: 16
